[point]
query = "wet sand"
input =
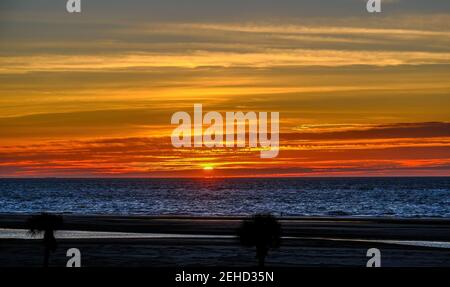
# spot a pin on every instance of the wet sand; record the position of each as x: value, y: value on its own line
x: 307, y: 242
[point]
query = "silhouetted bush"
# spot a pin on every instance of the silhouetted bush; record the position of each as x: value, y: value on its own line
x: 47, y: 224
x: 263, y: 232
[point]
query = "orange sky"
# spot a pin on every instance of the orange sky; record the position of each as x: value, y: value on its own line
x: 93, y: 95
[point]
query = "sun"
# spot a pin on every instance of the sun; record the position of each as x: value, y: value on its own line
x: 208, y: 167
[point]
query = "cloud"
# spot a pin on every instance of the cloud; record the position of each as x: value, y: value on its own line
x: 387, y: 131
x: 423, y: 146
x: 97, y: 46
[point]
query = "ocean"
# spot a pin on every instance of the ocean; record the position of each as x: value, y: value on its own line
x: 387, y: 197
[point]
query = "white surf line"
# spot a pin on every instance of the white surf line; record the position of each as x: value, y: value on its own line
x: 418, y: 243
x: 71, y: 234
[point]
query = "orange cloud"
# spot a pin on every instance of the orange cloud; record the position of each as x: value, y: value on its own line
x: 418, y: 148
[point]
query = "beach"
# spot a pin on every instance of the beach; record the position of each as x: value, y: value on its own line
x: 188, y: 241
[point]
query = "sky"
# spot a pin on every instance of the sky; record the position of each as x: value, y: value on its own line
x: 92, y: 94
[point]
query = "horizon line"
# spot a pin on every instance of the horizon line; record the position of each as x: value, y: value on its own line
x: 237, y: 177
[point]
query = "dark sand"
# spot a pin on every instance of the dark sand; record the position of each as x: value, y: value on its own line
x: 308, y: 250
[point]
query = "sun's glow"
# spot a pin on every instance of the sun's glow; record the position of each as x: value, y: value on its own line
x: 208, y: 167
